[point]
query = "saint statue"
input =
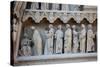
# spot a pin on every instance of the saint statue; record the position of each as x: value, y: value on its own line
x: 15, y: 29
x: 49, y: 40
x: 68, y: 39
x: 82, y: 38
x: 46, y: 51
x: 59, y: 40
x: 75, y: 40
x: 36, y: 39
x: 90, y: 36
x: 25, y: 46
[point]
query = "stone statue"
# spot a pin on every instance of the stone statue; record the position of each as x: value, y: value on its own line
x: 15, y: 29
x: 49, y: 40
x: 68, y: 39
x: 59, y: 40
x: 25, y: 46
x: 82, y: 38
x: 75, y: 40
x: 46, y: 51
x: 90, y: 36
x: 36, y: 39
x: 29, y: 32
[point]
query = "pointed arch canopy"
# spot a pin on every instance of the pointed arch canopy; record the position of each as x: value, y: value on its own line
x: 51, y: 16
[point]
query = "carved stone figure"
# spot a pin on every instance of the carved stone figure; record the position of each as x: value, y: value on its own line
x: 15, y: 29
x: 25, y: 46
x: 90, y: 36
x: 82, y: 38
x: 75, y: 39
x: 36, y: 39
x: 49, y: 40
x: 29, y: 32
x: 46, y: 51
x: 68, y: 39
x: 59, y: 40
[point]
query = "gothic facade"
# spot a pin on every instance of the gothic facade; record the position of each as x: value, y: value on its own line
x: 40, y: 15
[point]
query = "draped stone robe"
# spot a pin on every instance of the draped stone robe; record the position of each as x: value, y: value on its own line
x: 46, y: 43
x: 37, y: 48
x: 90, y: 42
x: 59, y: 41
x: 15, y: 30
x: 82, y: 40
x: 67, y: 41
x: 75, y: 41
x: 49, y: 42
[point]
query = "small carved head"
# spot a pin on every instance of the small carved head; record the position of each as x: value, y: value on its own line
x: 83, y: 26
x: 25, y: 35
x: 59, y: 27
x: 89, y: 26
x: 74, y: 27
x: 32, y: 27
x: 50, y: 26
x: 67, y: 26
x: 14, y: 21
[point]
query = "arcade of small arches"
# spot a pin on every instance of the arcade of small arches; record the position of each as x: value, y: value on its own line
x: 78, y: 16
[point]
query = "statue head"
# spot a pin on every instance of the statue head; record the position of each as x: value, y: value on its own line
x: 83, y: 26
x: 67, y: 26
x: 32, y: 27
x: 89, y: 26
x: 74, y: 27
x: 14, y: 21
x: 59, y: 26
x: 25, y: 35
x: 50, y: 26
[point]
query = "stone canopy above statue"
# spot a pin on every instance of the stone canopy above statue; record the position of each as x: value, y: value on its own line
x: 38, y: 10
x: 78, y: 16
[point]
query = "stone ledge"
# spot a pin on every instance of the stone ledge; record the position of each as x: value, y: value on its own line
x: 61, y: 11
x: 56, y: 56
